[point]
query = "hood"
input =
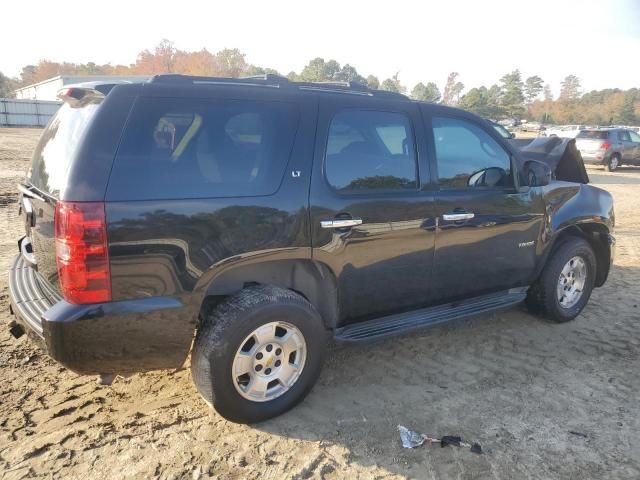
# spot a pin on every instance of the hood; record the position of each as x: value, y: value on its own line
x: 560, y: 154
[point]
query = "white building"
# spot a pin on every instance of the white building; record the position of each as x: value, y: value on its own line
x: 48, y: 89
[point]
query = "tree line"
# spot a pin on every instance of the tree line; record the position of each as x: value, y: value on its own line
x: 512, y: 97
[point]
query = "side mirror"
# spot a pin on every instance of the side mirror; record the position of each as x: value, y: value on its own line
x: 487, y: 177
x: 513, y: 135
x: 538, y: 174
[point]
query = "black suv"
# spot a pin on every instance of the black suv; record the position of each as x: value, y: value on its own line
x: 266, y: 217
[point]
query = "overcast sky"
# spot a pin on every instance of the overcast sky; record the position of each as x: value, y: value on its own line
x: 597, y: 40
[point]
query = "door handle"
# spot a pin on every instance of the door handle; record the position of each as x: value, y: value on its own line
x: 340, y: 222
x: 454, y: 217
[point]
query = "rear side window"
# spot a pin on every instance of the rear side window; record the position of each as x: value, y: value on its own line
x: 593, y: 134
x: 368, y: 150
x: 194, y: 148
x: 467, y: 156
x: 58, y: 145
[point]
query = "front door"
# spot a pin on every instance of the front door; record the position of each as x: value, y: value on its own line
x: 372, y: 223
x: 488, y: 230
x: 635, y: 144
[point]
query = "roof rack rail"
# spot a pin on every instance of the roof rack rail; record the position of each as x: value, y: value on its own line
x: 267, y: 77
x: 277, y: 81
x: 265, y: 80
x: 335, y: 83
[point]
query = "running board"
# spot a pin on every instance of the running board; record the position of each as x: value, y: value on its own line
x: 401, y: 323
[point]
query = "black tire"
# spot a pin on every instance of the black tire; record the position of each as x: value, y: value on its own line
x: 542, y: 297
x: 228, y: 325
x: 612, y: 166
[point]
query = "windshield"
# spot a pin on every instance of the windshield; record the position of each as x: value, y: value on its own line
x: 57, y: 146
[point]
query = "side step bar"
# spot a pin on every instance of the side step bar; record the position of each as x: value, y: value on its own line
x: 398, y: 324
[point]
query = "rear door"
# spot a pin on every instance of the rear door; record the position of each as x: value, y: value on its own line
x: 487, y: 230
x: 371, y: 217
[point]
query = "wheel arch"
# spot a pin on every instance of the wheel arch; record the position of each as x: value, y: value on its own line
x: 313, y: 280
x: 597, y: 235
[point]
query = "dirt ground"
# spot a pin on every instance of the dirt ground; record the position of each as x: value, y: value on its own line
x: 544, y: 401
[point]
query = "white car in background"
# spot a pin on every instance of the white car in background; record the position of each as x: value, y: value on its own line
x: 564, y: 131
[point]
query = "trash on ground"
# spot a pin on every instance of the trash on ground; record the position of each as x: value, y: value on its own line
x: 411, y: 439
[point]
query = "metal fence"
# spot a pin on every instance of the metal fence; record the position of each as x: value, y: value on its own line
x: 26, y: 113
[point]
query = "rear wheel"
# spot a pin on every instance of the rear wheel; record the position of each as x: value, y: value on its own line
x: 613, y: 163
x: 258, y: 353
x: 565, y: 285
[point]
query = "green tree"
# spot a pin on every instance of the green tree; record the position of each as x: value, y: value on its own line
x: 229, y: 62
x: 28, y: 74
x: 532, y: 88
x: 253, y: 70
x: 393, y: 84
x: 349, y: 74
x: 317, y: 70
x: 7, y: 86
x: 475, y: 100
x: 452, y: 89
x: 570, y: 88
x: 511, y: 95
x: 373, y: 82
x: 426, y: 93
x: 483, y: 101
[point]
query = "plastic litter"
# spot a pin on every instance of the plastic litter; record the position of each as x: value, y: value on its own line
x: 411, y: 439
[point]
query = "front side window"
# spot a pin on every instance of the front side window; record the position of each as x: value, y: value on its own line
x: 468, y: 157
x: 191, y: 148
x: 634, y: 137
x: 623, y: 136
x: 368, y: 150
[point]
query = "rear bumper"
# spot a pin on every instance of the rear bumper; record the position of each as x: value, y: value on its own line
x: 117, y: 337
x: 30, y: 297
x: 594, y: 158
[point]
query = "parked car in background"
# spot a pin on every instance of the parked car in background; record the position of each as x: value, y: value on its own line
x: 564, y: 131
x: 611, y: 147
x: 530, y: 127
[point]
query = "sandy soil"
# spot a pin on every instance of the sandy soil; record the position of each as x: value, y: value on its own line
x: 517, y: 385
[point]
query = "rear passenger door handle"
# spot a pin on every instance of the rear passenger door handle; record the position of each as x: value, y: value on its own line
x: 340, y: 222
x: 454, y: 217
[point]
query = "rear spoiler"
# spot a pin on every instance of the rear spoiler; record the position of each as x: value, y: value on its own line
x: 80, y: 94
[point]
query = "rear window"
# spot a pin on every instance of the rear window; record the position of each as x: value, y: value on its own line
x: 58, y: 145
x: 194, y: 148
x: 594, y: 134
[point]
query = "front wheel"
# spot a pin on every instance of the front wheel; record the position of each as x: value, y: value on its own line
x: 566, y: 282
x: 258, y: 353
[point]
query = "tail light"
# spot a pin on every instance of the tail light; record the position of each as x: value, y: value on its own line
x: 605, y: 146
x: 82, y: 252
